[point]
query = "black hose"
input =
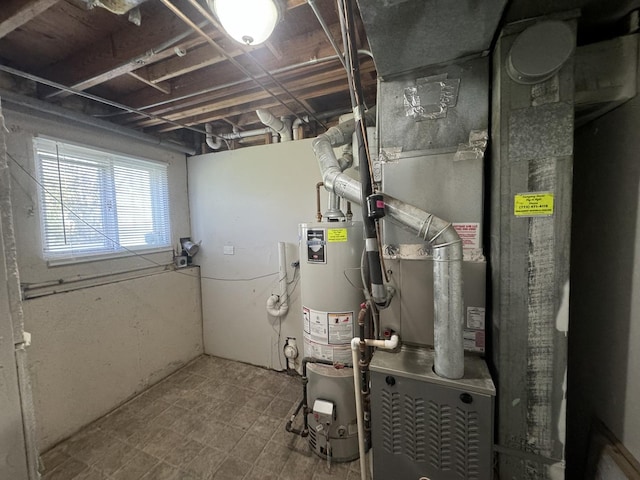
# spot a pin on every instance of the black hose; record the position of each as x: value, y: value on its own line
x: 375, y: 286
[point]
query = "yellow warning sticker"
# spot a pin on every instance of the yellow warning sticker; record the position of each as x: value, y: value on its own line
x: 536, y: 204
x: 337, y: 235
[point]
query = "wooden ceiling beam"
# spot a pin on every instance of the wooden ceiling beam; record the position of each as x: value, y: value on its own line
x: 121, y: 52
x: 194, y: 59
x: 164, y: 87
x: 299, y: 49
x: 306, y: 94
x: 240, y: 95
x: 295, y: 3
x: 320, y: 85
x: 241, y: 88
x: 15, y: 13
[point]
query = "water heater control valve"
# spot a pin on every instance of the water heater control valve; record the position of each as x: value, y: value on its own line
x: 324, y: 412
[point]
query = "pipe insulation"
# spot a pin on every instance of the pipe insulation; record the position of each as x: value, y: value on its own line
x: 278, y: 305
x: 440, y: 234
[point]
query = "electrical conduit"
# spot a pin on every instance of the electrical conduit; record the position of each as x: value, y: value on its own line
x: 278, y: 305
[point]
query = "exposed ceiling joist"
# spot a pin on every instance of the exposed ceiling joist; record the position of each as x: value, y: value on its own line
x: 179, y: 64
x: 303, y: 48
x: 120, y: 52
x: 15, y: 13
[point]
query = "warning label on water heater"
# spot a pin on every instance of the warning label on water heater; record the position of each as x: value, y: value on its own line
x: 337, y: 235
x: 340, y: 328
x: 328, y: 328
x: 535, y: 204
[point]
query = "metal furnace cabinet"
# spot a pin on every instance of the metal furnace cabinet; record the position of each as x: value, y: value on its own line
x: 428, y: 427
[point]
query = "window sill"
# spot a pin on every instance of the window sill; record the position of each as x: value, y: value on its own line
x: 58, y: 262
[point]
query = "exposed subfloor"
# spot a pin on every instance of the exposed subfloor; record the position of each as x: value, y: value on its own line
x: 213, y: 419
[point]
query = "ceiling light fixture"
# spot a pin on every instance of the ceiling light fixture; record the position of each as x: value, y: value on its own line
x: 250, y: 22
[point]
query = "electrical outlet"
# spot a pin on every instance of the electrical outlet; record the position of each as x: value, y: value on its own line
x: 228, y: 250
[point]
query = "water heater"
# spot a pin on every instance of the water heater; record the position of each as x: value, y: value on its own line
x: 331, y: 294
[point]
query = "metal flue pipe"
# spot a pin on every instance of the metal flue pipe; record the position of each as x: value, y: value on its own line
x: 440, y: 234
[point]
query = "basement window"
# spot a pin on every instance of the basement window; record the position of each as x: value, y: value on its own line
x: 96, y: 203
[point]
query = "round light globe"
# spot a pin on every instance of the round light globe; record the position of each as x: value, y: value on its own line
x: 250, y: 22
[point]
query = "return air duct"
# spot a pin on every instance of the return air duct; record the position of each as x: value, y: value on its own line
x: 405, y: 35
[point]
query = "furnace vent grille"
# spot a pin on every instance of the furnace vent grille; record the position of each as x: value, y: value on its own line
x: 391, y: 422
x: 414, y: 428
x: 440, y: 436
x: 467, y: 444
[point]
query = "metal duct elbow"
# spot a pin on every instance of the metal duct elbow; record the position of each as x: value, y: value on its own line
x: 283, y: 128
x: 213, y: 142
x: 440, y: 234
x: 346, y: 160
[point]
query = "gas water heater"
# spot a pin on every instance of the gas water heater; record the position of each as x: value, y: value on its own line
x: 331, y: 294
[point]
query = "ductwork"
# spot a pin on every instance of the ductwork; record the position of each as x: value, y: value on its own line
x: 440, y: 234
x: 282, y: 126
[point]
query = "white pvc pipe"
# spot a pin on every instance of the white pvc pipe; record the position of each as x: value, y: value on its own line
x: 390, y: 344
x: 282, y: 127
x: 214, y: 142
x: 355, y: 346
x: 278, y: 305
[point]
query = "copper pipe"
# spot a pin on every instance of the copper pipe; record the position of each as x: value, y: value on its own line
x: 318, y: 212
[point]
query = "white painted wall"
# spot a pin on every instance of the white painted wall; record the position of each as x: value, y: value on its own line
x: 604, y: 344
x: 250, y: 199
x: 95, y: 347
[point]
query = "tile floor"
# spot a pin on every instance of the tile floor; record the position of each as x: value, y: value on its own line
x: 213, y: 419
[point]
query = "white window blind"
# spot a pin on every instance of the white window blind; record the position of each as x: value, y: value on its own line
x: 94, y: 202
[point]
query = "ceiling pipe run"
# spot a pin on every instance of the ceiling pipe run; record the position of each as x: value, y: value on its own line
x: 281, y: 126
x: 440, y: 234
x: 214, y: 140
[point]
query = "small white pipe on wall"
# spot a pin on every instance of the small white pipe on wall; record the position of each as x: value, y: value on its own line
x: 278, y: 305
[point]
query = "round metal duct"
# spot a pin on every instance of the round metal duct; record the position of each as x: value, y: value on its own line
x: 540, y: 51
